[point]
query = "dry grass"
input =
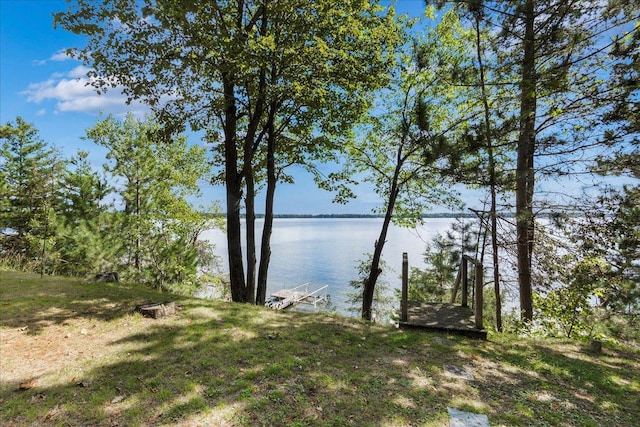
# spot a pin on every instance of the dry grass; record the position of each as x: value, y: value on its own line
x: 73, y: 353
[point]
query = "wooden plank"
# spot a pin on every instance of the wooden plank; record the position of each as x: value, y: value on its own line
x: 405, y: 288
x: 479, y: 296
x: 442, y: 317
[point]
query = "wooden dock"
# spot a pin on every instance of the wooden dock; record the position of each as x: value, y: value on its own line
x: 442, y: 317
x: 286, y: 298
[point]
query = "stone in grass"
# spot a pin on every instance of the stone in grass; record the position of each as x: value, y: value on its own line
x: 466, y: 419
x: 461, y: 372
x: 157, y: 310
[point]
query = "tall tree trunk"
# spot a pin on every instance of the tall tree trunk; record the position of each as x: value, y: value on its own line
x: 375, y: 270
x: 234, y: 194
x: 250, y: 147
x: 492, y: 179
x: 250, y: 228
x: 524, y: 167
x: 265, y: 248
x: 138, y: 244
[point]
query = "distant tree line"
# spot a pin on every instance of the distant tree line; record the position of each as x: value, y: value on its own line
x: 352, y: 215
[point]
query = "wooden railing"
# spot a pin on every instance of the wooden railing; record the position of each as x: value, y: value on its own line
x: 462, y: 279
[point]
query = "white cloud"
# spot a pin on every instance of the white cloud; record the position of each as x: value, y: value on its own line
x: 79, y: 72
x: 61, y: 55
x: 72, y: 92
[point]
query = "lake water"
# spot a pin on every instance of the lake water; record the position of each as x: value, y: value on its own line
x: 328, y: 251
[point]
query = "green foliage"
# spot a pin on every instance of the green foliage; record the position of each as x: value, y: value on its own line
x: 612, y: 233
x: 570, y: 310
x: 591, y: 273
x: 384, y: 301
x: 406, y: 147
x: 55, y: 220
x: 157, y: 228
x: 82, y: 191
x: 29, y: 172
x: 442, y: 257
x: 87, y: 247
x: 271, y: 83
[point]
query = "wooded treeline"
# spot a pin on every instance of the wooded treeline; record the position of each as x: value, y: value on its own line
x: 510, y: 97
x: 62, y: 216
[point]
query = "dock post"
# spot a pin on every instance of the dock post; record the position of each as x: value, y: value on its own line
x: 478, y: 295
x: 465, y: 282
x: 405, y: 288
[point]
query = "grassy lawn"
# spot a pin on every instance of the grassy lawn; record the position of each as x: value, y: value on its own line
x: 75, y: 354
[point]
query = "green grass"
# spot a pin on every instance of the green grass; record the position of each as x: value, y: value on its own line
x: 92, y: 361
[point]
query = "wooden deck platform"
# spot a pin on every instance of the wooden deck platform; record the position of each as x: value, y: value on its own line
x: 441, y: 317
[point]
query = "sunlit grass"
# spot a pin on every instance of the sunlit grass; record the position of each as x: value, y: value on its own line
x: 93, y: 361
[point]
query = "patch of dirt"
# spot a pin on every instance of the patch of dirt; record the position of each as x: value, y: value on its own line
x: 58, y: 352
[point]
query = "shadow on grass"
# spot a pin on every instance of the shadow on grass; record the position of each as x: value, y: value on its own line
x: 558, y: 382
x: 31, y: 302
x: 228, y: 364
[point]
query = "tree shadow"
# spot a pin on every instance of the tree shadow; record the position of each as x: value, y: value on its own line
x: 228, y: 364
x: 251, y: 367
x: 561, y: 387
x: 31, y: 303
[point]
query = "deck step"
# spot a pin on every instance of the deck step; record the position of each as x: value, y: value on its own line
x: 442, y: 317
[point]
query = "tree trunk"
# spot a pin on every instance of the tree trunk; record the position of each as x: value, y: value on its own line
x: 375, y: 270
x: 265, y: 248
x: 250, y: 227
x: 234, y: 195
x: 250, y: 147
x: 492, y: 180
x: 138, y: 244
x: 524, y: 167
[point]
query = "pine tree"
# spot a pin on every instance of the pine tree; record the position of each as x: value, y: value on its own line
x: 30, y: 172
x: 157, y: 227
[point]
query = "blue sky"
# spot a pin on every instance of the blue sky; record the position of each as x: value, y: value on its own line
x: 45, y: 87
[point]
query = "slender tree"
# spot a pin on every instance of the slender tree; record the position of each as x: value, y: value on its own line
x: 410, y: 146
x: 562, y: 46
x: 82, y: 191
x: 84, y: 237
x: 554, y: 49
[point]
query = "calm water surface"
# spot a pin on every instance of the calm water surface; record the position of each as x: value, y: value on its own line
x: 328, y: 251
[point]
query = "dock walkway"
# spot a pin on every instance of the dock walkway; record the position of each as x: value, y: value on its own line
x: 285, y: 298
